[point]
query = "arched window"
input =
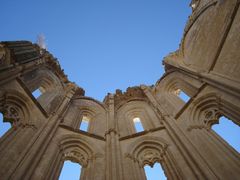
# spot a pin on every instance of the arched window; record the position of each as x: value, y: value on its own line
x: 4, y: 126
x: 155, y: 172
x: 151, y: 151
x: 84, y: 126
x: 229, y: 131
x: 138, y: 124
x: 71, y: 171
x: 182, y: 95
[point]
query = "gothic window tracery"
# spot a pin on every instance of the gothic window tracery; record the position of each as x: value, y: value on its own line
x: 12, y: 114
x: 148, y: 151
x: 211, y: 114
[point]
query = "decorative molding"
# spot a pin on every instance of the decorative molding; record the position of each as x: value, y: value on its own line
x: 82, y: 132
x: 142, y: 133
x: 128, y: 155
x: 209, y: 117
x: 76, y: 156
x: 90, y: 99
x: 147, y: 151
x: 192, y: 127
x: 150, y: 157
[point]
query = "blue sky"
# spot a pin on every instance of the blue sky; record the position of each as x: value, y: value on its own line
x: 102, y: 45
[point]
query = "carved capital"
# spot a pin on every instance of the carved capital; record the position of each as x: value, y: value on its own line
x: 111, y: 130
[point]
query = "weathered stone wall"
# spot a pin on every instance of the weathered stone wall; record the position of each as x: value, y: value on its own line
x: 45, y: 131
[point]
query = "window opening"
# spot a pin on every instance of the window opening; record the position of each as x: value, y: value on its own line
x: 71, y: 171
x: 138, y: 124
x: 4, y: 126
x: 154, y: 173
x: 229, y: 131
x: 84, y: 124
x: 38, y: 92
x: 182, y: 95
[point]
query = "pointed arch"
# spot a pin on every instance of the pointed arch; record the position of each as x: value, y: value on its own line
x: 94, y: 110
x: 136, y: 109
x: 207, y: 110
x: 77, y: 150
x: 150, y: 150
x: 14, y: 107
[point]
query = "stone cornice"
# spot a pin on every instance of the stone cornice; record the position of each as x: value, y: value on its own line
x: 53, y: 64
x: 142, y: 133
x: 82, y: 132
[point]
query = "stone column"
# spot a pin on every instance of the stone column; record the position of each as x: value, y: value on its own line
x: 113, y: 154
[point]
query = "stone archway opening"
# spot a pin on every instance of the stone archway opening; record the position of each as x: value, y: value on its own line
x: 38, y: 92
x: 182, y: 95
x: 155, y: 172
x: 84, y: 126
x: 228, y: 131
x: 71, y: 170
x: 4, y: 126
x: 138, y: 124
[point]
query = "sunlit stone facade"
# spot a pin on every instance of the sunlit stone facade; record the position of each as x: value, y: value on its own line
x: 45, y: 131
